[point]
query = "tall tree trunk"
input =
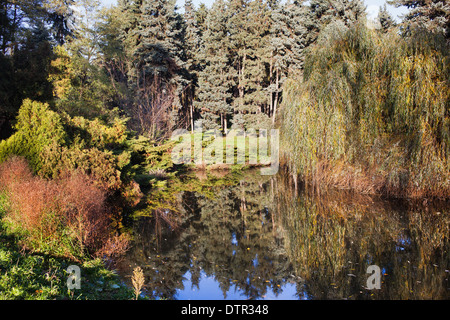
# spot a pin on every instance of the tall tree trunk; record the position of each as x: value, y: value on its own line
x: 270, y: 93
x: 241, y: 83
x: 225, y: 125
x: 192, y: 116
x: 276, y: 96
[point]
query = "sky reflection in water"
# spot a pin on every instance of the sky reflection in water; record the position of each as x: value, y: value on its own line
x: 255, y: 238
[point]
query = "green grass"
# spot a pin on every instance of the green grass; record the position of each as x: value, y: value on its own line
x: 29, y: 276
x: 239, y: 148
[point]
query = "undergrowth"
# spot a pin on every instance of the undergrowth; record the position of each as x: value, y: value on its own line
x: 38, y: 276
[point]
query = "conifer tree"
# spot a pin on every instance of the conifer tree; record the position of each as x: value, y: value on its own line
x: 249, y: 26
x: 321, y: 13
x: 59, y: 13
x: 433, y: 15
x: 129, y: 16
x: 238, y: 42
x: 385, y: 19
x: 31, y: 62
x: 257, y: 98
x: 28, y: 28
x: 80, y: 87
x: 287, y: 43
x: 200, y: 18
x: 153, y: 36
x: 192, y: 46
x: 295, y: 26
x: 215, y: 77
x: 160, y: 30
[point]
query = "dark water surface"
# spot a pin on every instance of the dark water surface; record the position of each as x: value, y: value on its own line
x: 256, y: 237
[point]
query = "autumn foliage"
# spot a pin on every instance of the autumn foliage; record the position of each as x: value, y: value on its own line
x: 371, y: 114
x: 67, y: 216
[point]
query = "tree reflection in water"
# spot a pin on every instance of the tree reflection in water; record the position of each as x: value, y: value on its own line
x: 256, y: 237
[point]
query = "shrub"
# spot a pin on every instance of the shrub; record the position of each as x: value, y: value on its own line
x: 102, y: 166
x: 14, y: 171
x: 67, y: 216
x: 54, y: 144
x: 37, y: 126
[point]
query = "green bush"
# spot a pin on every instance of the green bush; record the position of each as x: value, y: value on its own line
x: 54, y: 144
x: 37, y: 127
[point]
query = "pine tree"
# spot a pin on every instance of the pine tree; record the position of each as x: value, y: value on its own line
x: 295, y: 27
x: 287, y: 43
x: 238, y: 42
x: 59, y: 13
x: 129, y: 18
x: 385, y: 19
x: 160, y: 35
x: 192, y: 45
x: 85, y: 40
x: 215, y: 80
x: 81, y: 87
x: 200, y: 18
x: 31, y: 63
x: 434, y: 15
x: 249, y: 26
x: 7, y: 26
x: 257, y: 98
x: 153, y: 36
x: 27, y: 31
x: 339, y: 12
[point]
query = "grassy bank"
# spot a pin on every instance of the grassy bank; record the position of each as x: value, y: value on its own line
x: 211, y: 150
x: 371, y: 114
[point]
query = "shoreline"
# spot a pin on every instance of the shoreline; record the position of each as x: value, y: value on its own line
x: 358, y: 181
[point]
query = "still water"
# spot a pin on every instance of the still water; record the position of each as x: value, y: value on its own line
x: 249, y: 236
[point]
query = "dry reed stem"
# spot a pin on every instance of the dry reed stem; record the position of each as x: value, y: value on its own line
x: 138, y: 281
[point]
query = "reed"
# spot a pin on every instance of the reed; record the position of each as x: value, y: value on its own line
x: 138, y: 281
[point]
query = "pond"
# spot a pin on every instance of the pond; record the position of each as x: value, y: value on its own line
x: 249, y: 236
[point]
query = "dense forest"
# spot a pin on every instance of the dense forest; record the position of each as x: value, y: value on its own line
x: 90, y: 95
x: 162, y: 69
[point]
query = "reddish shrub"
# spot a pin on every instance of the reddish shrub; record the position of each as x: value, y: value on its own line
x: 14, y: 170
x: 68, y: 215
x: 83, y: 208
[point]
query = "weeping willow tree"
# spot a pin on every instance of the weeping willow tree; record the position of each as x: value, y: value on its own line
x: 371, y: 113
